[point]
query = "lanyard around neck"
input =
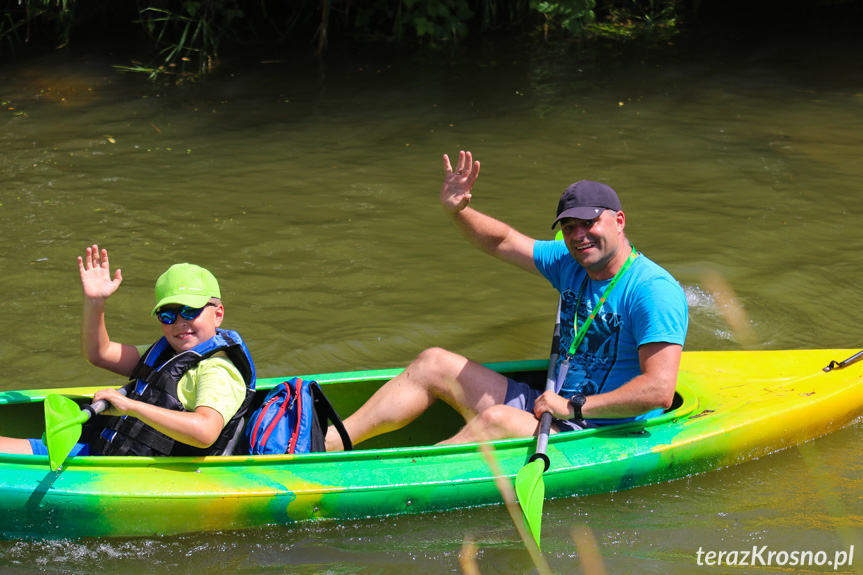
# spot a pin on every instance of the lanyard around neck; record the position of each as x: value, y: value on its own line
x: 582, y: 331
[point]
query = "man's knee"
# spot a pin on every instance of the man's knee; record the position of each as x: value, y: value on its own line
x: 496, y: 416
x: 439, y: 362
x: 502, y: 421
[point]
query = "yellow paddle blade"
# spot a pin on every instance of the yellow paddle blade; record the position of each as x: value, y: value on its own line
x: 63, y: 419
x: 530, y: 490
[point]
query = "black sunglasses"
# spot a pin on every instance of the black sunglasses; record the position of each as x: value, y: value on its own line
x: 169, y: 316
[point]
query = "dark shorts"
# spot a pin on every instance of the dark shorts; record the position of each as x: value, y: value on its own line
x: 521, y: 396
x: 39, y: 448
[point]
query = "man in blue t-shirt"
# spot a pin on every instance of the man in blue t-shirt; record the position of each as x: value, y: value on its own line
x: 623, y: 325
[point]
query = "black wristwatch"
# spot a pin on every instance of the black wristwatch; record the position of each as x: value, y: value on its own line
x: 577, y: 401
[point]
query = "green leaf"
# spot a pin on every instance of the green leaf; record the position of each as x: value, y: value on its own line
x: 423, y: 26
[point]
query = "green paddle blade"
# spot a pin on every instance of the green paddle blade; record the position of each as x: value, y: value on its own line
x: 63, y: 419
x: 530, y: 490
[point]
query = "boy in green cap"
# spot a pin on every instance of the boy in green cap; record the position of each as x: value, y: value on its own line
x: 188, y: 393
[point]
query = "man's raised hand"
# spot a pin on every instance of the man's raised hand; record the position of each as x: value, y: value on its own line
x: 455, y: 194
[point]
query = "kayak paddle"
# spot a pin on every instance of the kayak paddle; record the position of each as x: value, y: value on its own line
x: 529, y: 486
x: 63, y: 425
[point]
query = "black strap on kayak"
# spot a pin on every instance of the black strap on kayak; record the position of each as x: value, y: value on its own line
x: 324, y: 408
x: 845, y: 363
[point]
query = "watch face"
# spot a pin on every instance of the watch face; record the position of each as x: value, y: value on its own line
x: 577, y: 401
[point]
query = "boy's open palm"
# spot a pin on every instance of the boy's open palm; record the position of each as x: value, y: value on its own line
x: 96, y: 278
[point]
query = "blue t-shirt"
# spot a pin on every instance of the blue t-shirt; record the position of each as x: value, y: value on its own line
x: 646, y: 306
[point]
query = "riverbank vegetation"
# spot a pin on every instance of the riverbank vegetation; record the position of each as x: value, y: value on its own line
x: 185, y: 39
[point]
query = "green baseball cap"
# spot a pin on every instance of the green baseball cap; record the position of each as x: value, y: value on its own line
x: 186, y: 284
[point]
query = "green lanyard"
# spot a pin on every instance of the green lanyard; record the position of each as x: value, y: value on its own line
x: 582, y: 331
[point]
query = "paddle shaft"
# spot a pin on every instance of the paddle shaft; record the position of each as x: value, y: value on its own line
x: 550, y: 381
x: 100, y: 406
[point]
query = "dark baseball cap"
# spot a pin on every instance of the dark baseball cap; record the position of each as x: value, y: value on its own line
x: 586, y: 200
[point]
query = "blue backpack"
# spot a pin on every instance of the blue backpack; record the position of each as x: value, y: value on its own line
x: 294, y: 418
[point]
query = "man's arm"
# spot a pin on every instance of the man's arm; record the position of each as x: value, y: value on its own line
x: 653, y: 389
x: 484, y: 232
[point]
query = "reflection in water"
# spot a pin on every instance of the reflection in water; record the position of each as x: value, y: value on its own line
x: 310, y: 189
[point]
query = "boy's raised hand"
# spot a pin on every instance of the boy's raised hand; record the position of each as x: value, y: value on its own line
x: 96, y: 278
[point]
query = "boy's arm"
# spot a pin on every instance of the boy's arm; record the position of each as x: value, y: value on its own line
x: 199, y: 428
x: 219, y: 391
x: 97, y: 285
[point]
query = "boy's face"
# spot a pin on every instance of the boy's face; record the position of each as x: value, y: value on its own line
x: 185, y: 334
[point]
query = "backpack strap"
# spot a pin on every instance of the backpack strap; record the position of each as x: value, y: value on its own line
x: 323, y: 407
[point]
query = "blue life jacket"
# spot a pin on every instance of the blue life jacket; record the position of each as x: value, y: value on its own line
x: 154, y: 381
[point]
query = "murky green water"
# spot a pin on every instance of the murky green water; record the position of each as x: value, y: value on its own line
x: 310, y: 189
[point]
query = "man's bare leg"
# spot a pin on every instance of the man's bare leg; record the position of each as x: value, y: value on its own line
x: 496, y: 422
x: 435, y: 374
x: 13, y: 445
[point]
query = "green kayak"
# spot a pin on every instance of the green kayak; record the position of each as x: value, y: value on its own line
x: 731, y: 407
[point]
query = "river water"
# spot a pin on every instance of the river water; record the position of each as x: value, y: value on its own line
x: 309, y: 187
